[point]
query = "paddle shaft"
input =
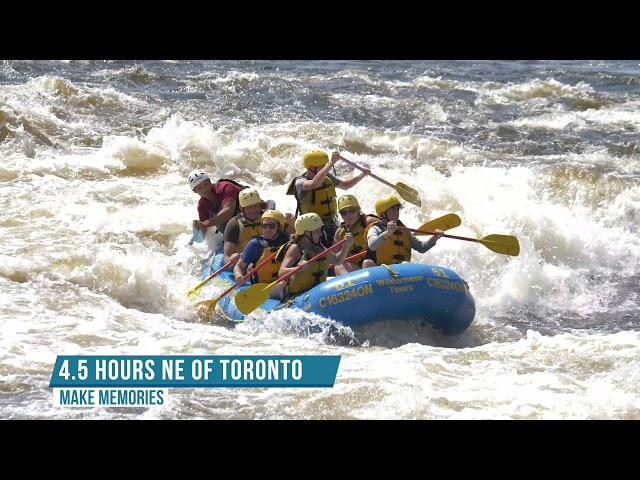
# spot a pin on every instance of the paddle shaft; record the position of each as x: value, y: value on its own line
x: 293, y: 272
x: 351, y: 258
x: 222, y: 268
x: 451, y: 219
x: 370, y: 174
x: 444, y: 235
x: 248, y: 274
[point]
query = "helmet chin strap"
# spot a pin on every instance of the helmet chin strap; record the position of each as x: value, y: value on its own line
x: 310, y: 237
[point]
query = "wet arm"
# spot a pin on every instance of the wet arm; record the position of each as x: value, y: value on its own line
x: 338, y: 258
x: 231, y: 234
x: 422, y: 246
x: 290, y: 261
x: 240, y: 269
x: 225, y: 213
x: 376, y: 237
x: 347, y: 184
x: 318, y: 179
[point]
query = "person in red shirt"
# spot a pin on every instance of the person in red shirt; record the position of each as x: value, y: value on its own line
x: 218, y: 202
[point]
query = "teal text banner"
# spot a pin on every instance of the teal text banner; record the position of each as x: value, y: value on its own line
x: 183, y: 371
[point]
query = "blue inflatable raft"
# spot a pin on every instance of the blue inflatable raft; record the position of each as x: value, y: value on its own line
x: 406, y: 291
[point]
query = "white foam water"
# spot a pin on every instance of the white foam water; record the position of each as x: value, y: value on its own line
x: 95, y: 253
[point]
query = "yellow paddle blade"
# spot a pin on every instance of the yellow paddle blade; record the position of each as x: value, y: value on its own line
x: 254, y: 296
x: 446, y: 222
x: 505, y: 244
x: 195, y: 290
x: 205, y: 309
x: 408, y: 193
x: 208, y: 304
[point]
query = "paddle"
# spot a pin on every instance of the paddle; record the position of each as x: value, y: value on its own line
x: 254, y: 296
x: 210, y: 304
x: 504, y: 244
x: 194, y: 291
x: 408, y: 193
x: 446, y: 222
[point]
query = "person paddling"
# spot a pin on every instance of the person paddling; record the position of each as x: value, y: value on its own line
x: 244, y: 226
x: 354, y: 222
x: 273, y: 225
x: 218, y: 202
x: 305, y: 245
x: 315, y: 189
x: 386, y: 242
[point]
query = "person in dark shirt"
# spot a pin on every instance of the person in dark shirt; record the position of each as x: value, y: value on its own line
x: 218, y: 202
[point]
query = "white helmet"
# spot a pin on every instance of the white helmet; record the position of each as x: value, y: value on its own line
x: 196, y: 178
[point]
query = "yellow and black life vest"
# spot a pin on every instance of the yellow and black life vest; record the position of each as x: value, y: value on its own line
x: 360, y: 239
x: 394, y: 249
x: 321, y: 200
x: 247, y: 229
x: 308, y: 278
x: 269, y: 272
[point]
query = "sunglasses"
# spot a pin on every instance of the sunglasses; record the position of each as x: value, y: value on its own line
x: 269, y: 225
x: 348, y: 211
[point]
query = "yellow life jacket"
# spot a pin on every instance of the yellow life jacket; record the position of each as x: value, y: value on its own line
x: 269, y: 272
x: 308, y: 278
x: 394, y: 249
x: 247, y: 229
x: 360, y: 239
x: 321, y: 200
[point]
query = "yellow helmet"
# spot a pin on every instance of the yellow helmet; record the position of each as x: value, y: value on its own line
x: 347, y: 201
x: 315, y: 158
x: 248, y: 197
x: 308, y: 221
x: 276, y: 215
x: 385, y: 203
